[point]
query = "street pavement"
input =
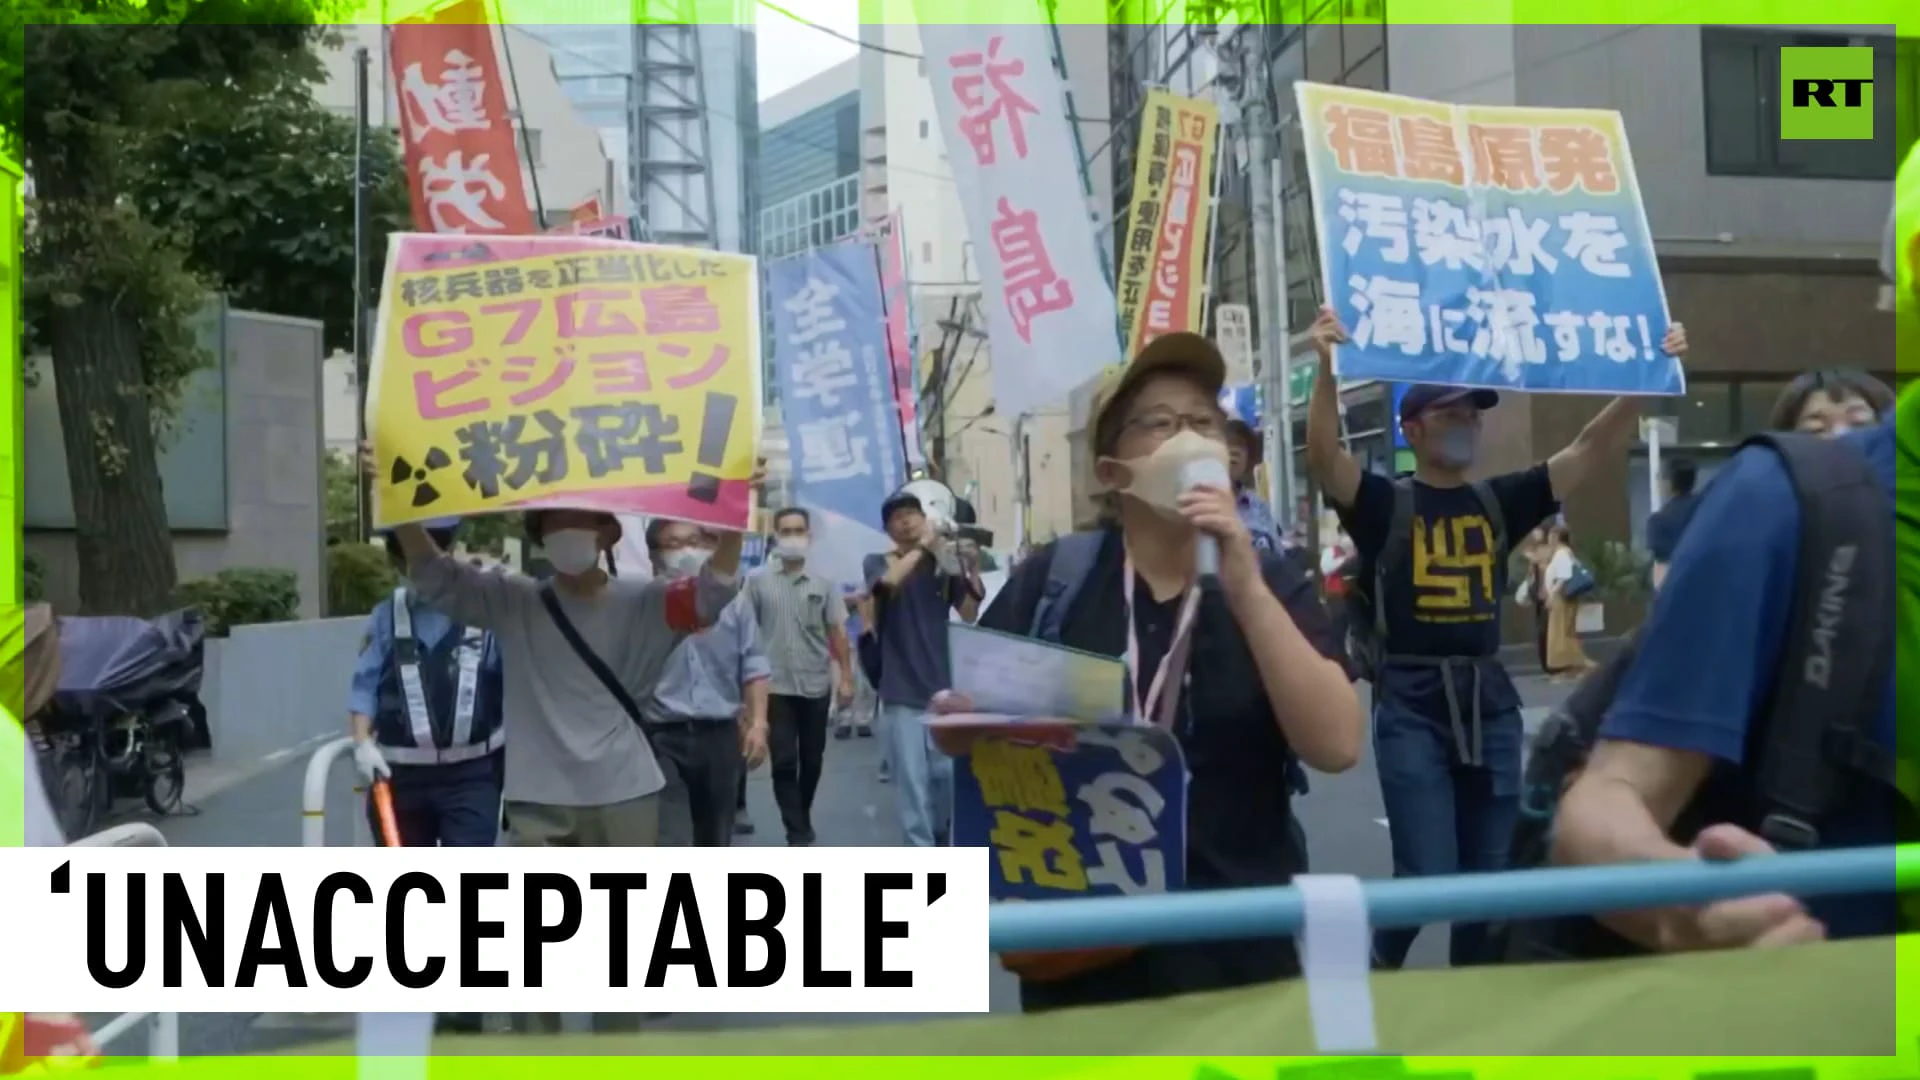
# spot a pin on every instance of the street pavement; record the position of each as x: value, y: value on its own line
x: 1342, y: 817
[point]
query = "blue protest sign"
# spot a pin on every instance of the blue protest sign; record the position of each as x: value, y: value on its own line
x: 836, y: 398
x: 1241, y: 403
x: 1070, y: 810
x: 1485, y: 246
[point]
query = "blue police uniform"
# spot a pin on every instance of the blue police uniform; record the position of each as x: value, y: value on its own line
x: 433, y: 691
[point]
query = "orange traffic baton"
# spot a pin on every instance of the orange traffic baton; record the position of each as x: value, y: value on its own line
x: 382, y: 795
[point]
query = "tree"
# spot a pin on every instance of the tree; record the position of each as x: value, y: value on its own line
x: 109, y: 287
x: 342, y: 491
x: 264, y: 199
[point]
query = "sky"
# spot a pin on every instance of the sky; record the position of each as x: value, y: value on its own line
x: 790, y: 53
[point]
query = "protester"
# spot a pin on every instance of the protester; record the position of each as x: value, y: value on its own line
x: 1566, y: 660
x: 580, y: 652
x: 803, y: 624
x: 1535, y: 550
x: 1248, y: 686
x: 1665, y: 525
x: 1831, y: 401
x: 911, y: 600
x: 1447, y: 726
x: 708, y: 714
x: 856, y: 716
x: 426, y: 715
x: 1243, y: 456
x: 1680, y: 740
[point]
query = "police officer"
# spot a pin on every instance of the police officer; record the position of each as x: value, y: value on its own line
x: 426, y: 716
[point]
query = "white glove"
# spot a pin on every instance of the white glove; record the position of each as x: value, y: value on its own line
x: 367, y: 758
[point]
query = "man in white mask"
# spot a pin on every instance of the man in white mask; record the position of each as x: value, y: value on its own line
x: 803, y: 625
x: 580, y: 652
x: 707, y: 714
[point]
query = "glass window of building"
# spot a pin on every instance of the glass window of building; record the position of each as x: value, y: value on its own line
x: 1740, y: 70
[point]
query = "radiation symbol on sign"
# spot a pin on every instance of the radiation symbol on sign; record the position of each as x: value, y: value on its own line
x: 424, y: 493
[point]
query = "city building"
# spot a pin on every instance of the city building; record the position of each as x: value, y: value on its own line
x: 677, y: 106
x: 240, y: 469
x: 1767, y: 249
x: 809, y: 178
x: 810, y: 133
x: 904, y: 170
x: 563, y: 163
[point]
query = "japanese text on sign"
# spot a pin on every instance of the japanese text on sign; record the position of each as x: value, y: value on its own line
x: 835, y: 377
x: 564, y: 371
x: 1485, y: 246
x: 1104, y: 816
x: 1164, y: 250
x: 463, y: 163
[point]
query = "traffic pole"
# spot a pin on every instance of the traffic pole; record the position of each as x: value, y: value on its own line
x: 1270, y: 286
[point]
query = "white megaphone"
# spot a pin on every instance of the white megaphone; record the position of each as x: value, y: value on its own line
x: 949, y: 517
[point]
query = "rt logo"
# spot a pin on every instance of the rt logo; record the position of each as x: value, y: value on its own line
x: 1826, y: 93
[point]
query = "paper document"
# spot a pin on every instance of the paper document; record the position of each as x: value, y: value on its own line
x: 1006, y: 673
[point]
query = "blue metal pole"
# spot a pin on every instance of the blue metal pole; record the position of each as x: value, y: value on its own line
x: 1228, y: 914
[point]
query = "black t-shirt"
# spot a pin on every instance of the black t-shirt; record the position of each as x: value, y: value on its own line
x: 1239, y: 812
x: 1446, y: 598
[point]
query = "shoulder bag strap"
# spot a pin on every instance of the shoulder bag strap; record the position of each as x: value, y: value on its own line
x: 586, y: 654
x: 1839, y: 647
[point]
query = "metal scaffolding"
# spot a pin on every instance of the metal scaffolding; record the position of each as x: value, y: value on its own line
x: 670, y: 170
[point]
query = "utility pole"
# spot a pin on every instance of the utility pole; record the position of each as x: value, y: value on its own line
x: 1270, y: 286
x: 361, y: 361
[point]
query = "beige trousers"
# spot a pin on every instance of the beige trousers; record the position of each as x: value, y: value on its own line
x: 634, y: 823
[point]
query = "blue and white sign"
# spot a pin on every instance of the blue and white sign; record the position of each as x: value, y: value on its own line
x: 1242, y: 403
x: 1485, y: 246
x: 836, y: 399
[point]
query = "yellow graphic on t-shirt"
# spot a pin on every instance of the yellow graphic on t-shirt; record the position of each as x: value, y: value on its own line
x: 1454, y: 578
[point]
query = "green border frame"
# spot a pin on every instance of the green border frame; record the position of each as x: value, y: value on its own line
x: 1903, y: 17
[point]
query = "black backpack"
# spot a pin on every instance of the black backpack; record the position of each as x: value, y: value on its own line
x: 1366, y: 612
x: 1814, y: 742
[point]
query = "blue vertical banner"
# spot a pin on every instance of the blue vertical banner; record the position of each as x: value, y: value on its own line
x: 836, y: 398
x: 1485, y: 246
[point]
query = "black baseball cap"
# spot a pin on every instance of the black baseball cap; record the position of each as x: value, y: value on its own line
x: 1423, y: 396
x: 899, y: 500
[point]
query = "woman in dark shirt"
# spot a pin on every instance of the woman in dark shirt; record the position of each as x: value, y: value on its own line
x: 1262, y: 684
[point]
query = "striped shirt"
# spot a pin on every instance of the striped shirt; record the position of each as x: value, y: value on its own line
x: 798, y: 612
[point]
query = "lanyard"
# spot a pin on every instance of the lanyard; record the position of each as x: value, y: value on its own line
x: 1156, y: 705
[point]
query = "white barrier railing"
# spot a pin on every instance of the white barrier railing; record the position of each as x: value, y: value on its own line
x: 163, y: 1029
x: 313, y: 796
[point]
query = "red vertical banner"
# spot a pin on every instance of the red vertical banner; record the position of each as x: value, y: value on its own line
x: 463, y: 163
x: 893, y: 292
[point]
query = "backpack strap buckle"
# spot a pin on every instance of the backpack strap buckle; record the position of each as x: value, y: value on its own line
x: 1788, y: 832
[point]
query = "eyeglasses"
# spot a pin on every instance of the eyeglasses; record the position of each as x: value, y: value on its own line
x: 1164, y: 423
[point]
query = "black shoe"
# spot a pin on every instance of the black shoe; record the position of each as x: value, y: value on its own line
x: 865, y: 731
x: 743, y: 827
x: 843, y: 732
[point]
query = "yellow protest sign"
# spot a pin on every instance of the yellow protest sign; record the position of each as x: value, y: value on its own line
x: 511, y: 373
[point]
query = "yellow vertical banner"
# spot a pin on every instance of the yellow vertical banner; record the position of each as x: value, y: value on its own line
x: 1163, y: 256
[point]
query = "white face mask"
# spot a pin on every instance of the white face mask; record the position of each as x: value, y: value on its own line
x: 1158, y: 480
x: 684, y: 562
x: 791, y: 548
x: 572, y: 551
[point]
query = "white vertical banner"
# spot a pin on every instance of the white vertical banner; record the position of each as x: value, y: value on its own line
x: 1233, y: 333
x: 1050, y: 310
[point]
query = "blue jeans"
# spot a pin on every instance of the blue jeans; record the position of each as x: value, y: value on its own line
x: 922, y: 775
x: 1444, y: 816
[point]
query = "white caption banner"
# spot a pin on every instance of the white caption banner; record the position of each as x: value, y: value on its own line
x: 496, y: 930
